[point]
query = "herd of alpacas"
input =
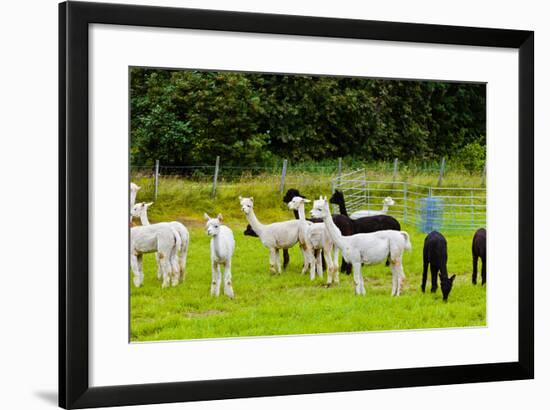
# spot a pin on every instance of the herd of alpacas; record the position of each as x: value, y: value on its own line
x: 365, y: 237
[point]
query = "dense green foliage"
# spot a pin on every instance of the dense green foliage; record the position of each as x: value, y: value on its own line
x: 189, y: 117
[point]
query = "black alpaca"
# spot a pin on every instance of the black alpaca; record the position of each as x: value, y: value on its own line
x: 367, y: 224
x: 344, y: 224
x: 479, y: 249
x: 435, y: 255
x: 250, y: 232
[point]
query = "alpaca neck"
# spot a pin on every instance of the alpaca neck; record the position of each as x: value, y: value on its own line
x: 254, y: 223
x: 144, y: 219
x: 342, y: 206
x: 301, y: 212
x: 385, y: 208
x: 333, y: 230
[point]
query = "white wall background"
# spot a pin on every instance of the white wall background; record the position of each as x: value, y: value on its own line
x: 28, y: 192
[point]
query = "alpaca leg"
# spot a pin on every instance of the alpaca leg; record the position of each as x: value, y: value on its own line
x: 175, y: 267
x: 393, y: 280
x: 135, y: 263
x: 312, y: 263
x: 358, y: 279
x: 216, y: 279
x: 273, y: 260
x: 424, y: 275
x: 319, y: 262
x: 278, y: 261
x: 306, y: 259
x: 286, y: 258
x: 214, y: 266
x: 397, y: 277
x: 474, y: 274
x: 483, y: 270
x: 433, y: 270
x: 336, y: 258
x: 159, y: 270
x: 331, y: 273
x: 227, y: 283
x: 164, y: 260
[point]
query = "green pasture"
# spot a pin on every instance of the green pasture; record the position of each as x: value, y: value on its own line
x: 289, y: 303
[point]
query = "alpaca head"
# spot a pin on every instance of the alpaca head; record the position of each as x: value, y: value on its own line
x: 295, y: 203
x: 213, y: 224
x: 291, y: 193
x: 446, y: 285
x: 139, y: 209
x: 320, y: 208
x: 249, y: 231
x: 337, y: 198
x: 388, y: 201
x: 247, y: 204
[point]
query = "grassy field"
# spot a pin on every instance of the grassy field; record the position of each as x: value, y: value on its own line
x: 288, y: 303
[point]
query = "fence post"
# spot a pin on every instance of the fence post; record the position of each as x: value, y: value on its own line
x: 339, y: 170
x: 441, y: 171
x: 472, y: 206
x: 157, y: 164
x: 215, y: 181
x: 405, y: 202
x: 283, y: 175
x: 394, y: 169
x: 484, y: 174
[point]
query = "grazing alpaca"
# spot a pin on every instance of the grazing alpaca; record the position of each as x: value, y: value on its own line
x: 435, y: 255
x: 369, y: 248
x: 275, y: 236
x: 250, y: 232
x: 317, y: 238
x: 140, y: 211
x: 479, y: 250
x: 388, y: 201
x: 133, y: 193
x: 162, y: 239
x: 222, y: 246
x: 366, y: 224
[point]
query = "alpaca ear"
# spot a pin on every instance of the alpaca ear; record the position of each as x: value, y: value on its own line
x: 206, y: 216
x: 251, y: 199
x: 240, y: 198
x: 453, y: 278
x: 220, y: 217
x: 307, y: 201
x: 149, y: 204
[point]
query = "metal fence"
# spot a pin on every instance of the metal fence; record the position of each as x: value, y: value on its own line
x: 427, y: 207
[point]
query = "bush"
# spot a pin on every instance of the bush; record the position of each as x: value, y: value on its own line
x: 472, y: 157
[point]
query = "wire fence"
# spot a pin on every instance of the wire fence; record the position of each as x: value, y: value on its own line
x: 426, y: 207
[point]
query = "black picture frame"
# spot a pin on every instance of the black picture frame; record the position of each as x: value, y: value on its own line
x: 74, y: 388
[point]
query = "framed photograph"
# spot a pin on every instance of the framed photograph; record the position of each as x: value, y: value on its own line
x: 258, y: 204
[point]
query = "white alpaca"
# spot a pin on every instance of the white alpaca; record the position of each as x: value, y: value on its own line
x: 133, y: 193
x: 275, y: 236
x: 222, y: 246
x: 317, y: 239
x: 140, y: 211
x: 369, y: 248
x: 388, y: 201
x: 162, y: 239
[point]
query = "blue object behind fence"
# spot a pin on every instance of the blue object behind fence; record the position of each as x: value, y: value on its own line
x: 431, y: 214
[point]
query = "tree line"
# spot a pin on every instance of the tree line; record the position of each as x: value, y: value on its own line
x: 189, y: 117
